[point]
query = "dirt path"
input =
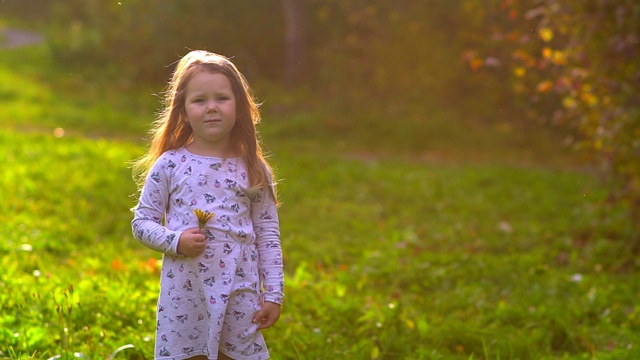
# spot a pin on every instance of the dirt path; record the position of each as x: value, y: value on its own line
x: 14, y: 38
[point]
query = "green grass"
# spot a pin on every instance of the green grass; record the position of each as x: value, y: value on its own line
x: 37, y: 94
x: 482, y: 251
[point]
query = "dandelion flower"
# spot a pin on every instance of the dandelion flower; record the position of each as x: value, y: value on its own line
x: 203, y: 217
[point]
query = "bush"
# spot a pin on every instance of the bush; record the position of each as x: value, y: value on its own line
x: 574, y: 64
x: 140, y: 41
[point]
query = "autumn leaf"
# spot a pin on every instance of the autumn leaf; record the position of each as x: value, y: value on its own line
x: 519, y: 71
x: 589, y: 99
x: 544, y: 86
x: 117, y: 265
x: 555, y: 56
x: 559, y: 58
x: 476, y: 64
x: 569, y: 102
x: 545, y: 34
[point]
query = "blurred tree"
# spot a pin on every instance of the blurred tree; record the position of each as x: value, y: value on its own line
x: 296, y: 41
x: 574, y: 63
x: 386, y: 58
x: 138, y: 41
x: 29, y: 11
x: 362, y: 53
x: 571, y: 63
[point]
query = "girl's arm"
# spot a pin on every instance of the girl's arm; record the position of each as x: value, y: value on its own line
x: 148, y: 214
x: 265, y: 222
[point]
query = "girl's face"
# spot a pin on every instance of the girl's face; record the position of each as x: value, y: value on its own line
x: 210, y: 107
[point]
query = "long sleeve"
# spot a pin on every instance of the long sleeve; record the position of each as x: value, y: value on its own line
x: 147, y: 223
x: 267, y: 228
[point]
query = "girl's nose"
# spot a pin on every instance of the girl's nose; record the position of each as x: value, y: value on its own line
x: 212, y: 106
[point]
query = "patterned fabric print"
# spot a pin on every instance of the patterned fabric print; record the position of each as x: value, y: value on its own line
x: 206, y: 303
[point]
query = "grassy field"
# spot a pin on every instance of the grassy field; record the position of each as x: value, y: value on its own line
x: 469, y: 242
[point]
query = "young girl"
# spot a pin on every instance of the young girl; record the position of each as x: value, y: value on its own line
x: 222, y: 278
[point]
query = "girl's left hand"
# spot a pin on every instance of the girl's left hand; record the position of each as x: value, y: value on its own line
x: 267, y: 315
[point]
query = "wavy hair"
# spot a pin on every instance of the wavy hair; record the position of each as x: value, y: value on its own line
x: 170, y: 130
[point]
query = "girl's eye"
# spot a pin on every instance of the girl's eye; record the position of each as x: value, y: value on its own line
x: 198, y: 100
x: 222, y: 98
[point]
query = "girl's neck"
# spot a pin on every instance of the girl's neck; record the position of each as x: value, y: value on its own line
x: 198, y: 149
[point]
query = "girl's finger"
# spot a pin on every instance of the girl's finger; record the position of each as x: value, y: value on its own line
x: 265, y: 325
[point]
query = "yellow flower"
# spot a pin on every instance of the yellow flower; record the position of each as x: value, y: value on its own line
x: 203, y: 217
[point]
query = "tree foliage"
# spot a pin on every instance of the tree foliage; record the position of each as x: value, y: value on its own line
x: 569, y: 63
x: 387, y: 55
x: 574, y: 64
x: 137, y: 39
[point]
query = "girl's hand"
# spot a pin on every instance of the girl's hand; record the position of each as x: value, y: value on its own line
x: 191, y: 243
x: 267, y: 315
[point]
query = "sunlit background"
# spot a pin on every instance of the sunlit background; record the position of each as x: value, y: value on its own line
x: 460, y: 179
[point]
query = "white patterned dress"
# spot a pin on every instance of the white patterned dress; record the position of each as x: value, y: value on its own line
x: 206, y: 303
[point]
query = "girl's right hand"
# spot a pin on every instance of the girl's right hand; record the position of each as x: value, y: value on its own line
x: 192, y: 243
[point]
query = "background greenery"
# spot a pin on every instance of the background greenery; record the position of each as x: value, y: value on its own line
x: 565, y: 63
x: 430, y: 210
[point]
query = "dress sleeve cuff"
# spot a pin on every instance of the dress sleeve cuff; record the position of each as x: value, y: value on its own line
x: 173, y: 248
x: 277, y: 299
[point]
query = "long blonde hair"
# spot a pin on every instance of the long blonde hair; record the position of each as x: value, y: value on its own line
x: 170, y: 130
